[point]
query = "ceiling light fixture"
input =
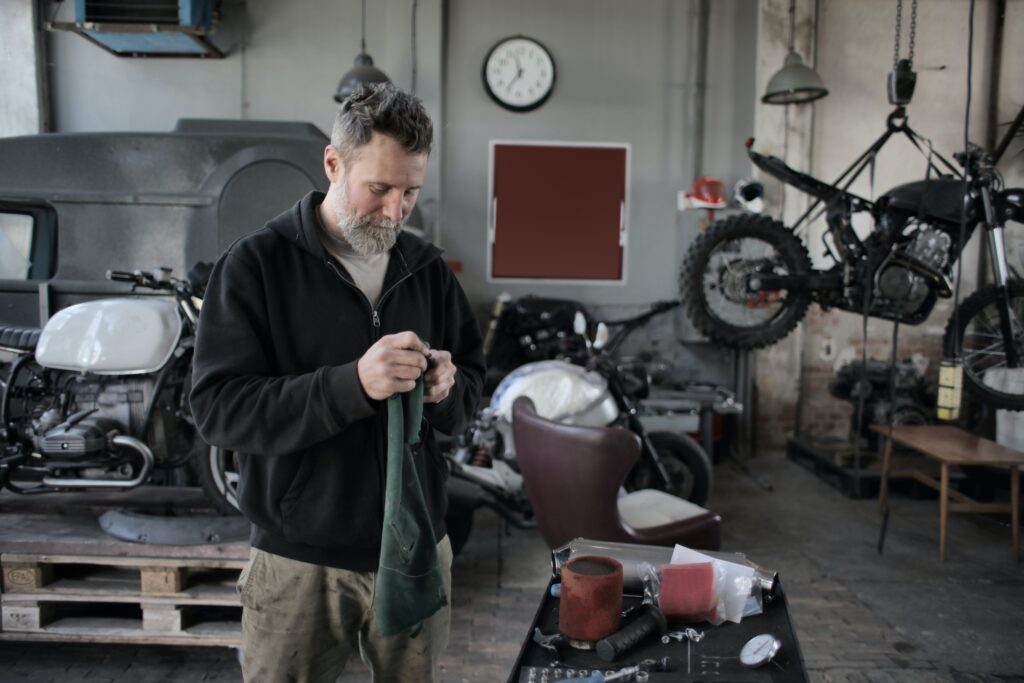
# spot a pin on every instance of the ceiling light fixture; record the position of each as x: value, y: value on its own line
x: 362, y: 72
x: 795, y: 82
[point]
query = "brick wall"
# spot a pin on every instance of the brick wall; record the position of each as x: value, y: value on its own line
x: 834, y: 338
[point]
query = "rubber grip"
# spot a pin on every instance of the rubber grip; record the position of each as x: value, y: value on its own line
x: 651, y: 621
x: 120, y: 276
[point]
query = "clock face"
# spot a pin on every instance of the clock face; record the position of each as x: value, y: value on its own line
x: 519, y: 73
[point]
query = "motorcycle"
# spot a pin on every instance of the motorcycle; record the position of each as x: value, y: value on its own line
x: 582, y: 381
x: 97, y: 399
x: 747, y: 281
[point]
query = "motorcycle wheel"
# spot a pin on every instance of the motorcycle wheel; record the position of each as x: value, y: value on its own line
x: 981, y: 342
x: 689, y: 468
x: 217, y: 472
x: 714, y: 276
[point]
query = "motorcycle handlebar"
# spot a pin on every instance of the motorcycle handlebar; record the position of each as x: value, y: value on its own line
x: 141, y: 278
x: 121, y: 276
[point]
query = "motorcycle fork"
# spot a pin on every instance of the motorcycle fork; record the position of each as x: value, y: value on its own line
x: 628, y: 408
x: 997, y: 252
x: 648, y: 451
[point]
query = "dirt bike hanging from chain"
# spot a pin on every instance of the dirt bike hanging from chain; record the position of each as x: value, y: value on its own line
x: 747, y: 281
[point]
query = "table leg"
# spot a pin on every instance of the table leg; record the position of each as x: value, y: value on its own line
x: 883, y: 486
x: 943, y: 510
x: 1015, y: 511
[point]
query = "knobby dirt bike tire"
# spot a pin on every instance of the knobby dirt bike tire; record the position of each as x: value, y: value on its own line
x: 970, y: 308
x: 691, y: 281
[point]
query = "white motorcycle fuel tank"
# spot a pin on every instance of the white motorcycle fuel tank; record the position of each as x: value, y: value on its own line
x: 560, y: 391
x: 111, y: 337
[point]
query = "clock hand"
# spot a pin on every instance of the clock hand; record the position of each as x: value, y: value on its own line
x: 519, y: 73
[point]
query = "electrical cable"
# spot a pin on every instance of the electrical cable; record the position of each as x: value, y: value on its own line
x: 892, y: 424
x: 865, y: 382
x: 412, y: 46
x: 966, y: 184
x: 956, y: 300
x: 362, y: 35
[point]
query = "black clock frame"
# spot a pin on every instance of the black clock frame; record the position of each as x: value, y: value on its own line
x: 512, y: 107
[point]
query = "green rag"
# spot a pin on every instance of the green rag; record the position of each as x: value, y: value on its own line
x: 409, y: 583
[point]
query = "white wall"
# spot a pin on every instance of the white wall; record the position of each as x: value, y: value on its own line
x: 22, y: 101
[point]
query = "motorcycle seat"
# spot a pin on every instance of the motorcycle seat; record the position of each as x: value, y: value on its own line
x: 19, y: 338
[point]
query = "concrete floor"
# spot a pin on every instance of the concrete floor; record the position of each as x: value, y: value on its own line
x: 859, y: 616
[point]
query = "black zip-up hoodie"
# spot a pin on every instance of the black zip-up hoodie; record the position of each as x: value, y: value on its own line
x: 274, y: 379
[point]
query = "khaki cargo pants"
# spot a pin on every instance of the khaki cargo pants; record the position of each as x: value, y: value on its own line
x: 301, y: 622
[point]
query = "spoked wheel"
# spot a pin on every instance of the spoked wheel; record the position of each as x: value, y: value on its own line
x: 688, y: 466
x: 720, y: 271
x: 217, y: 471
x: 987, y: 374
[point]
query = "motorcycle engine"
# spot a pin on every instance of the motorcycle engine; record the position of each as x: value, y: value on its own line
x: 901, y: 282
x: 113, y: 406
x: 76, y: 440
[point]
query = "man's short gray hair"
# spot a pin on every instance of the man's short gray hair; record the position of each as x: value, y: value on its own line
x: 387, y: 109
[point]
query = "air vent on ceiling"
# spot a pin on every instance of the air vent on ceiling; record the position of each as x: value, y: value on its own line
x: 146, y: 28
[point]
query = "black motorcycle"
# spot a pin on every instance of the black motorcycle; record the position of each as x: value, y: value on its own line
x: 747, y: 281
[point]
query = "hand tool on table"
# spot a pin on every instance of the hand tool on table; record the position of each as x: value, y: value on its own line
x: 636, y: 672
x: 650, y: 622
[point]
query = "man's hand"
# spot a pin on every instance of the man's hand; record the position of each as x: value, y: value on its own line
x: 392, y: 365
x: 440, y: 378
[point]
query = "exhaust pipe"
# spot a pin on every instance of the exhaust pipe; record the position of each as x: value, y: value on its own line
x: 120, y: 440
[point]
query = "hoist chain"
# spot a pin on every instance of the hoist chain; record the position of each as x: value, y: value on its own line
x: 899, y: 30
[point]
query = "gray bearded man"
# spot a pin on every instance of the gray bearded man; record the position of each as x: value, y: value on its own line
x: 309, y: 325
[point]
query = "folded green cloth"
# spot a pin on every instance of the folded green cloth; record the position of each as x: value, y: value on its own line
x: 409, y: 583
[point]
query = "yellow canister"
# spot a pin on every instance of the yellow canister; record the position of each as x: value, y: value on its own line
x: 951, y: 376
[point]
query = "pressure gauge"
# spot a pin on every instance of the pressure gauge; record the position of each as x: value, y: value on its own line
x: 760, y: 650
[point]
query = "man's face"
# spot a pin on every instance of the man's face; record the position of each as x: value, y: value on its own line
x: 374, y: 194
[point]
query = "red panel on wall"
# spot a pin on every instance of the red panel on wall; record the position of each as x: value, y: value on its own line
x: 559, y: 211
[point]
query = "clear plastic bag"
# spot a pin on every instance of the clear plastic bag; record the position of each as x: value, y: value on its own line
x: 687, y: 593
x: 740, y: 592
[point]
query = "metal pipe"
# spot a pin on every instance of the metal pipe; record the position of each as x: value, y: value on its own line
x: 700, y: 86
x: 120, y: 440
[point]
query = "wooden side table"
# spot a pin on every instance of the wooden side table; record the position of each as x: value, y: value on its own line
x: 953, y: 446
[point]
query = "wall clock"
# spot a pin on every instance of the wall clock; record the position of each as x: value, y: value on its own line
x: 519, y: 73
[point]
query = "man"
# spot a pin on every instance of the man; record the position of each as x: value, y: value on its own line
x: 307, y: 327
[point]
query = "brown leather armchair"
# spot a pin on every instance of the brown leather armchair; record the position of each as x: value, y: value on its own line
x: 573, y: 476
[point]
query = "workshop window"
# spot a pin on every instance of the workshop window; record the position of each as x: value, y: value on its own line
x: 558, y: 212
x: 28, y: 242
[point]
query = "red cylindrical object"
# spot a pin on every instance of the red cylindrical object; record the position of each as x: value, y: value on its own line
x: 591, y: 604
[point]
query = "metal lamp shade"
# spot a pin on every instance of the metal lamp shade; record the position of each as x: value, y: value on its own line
x: 361, y: 73
x: 794, y: 83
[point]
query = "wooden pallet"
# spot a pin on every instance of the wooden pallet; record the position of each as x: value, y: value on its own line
x: 75, y: 597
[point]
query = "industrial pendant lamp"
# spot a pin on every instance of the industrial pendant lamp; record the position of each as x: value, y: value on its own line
x: 795, y: 82
x: 362, y: 72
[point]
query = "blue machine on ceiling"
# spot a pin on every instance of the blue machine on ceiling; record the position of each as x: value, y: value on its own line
x: 147, y: 28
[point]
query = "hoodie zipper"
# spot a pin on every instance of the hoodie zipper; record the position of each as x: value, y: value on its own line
x: 374, y: 311
x: 375, y: 319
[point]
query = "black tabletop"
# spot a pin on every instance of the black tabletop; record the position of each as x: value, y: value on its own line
x: 714, y: 658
